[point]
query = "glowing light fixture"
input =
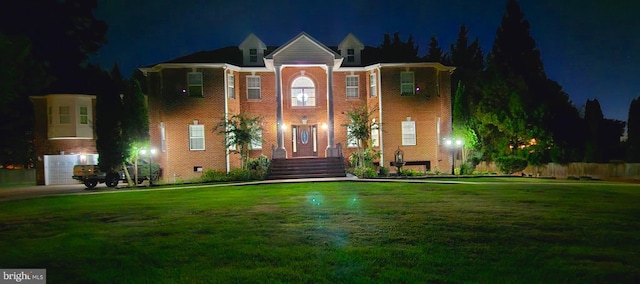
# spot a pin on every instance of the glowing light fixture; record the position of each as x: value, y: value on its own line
x: 325, y: 126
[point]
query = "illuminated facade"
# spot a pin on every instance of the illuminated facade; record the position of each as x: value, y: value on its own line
x: 302, y: 90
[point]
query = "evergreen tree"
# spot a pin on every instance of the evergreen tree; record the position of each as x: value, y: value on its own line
x: 435, y: 53
x: 469, y: 62
x: 516, y: 58
x: 633, y: 131
x: 593, y: 117
x: 110, y: 143
x: 398, y: 50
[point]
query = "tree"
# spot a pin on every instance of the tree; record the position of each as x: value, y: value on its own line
x: 469, y: 62
x: 516, y: 58
x: 359, y: 130
x: 435, y: 53
x: 633, y: 131
x: 20, y: 77
x: 63, y: 34
x: 593, y: 117
x: 48, y: 43
x: 398, y: 50
x: 240, y: 130
x: 110, y: 143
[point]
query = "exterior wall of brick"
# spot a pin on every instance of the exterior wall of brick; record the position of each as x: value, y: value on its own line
x: 177, y: 111
x: 431, y: 102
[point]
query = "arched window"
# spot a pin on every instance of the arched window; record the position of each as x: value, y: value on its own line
x: 303, y: 92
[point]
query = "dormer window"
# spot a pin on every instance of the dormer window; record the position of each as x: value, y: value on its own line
x: 350, y: 49
x: 351, y: 55
x: 253, y: 55
x: 252, y: 51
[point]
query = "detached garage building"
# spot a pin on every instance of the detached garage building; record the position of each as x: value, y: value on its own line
x: 64, y: 136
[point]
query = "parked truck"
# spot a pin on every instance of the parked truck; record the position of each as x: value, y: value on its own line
x: 91, y: 175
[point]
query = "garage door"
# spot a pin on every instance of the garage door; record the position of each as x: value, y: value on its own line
x: 58, y: 169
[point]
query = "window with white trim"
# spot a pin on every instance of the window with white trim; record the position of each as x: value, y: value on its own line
x: 196, y: 137
x: 373, y: 91
x: 352, y: 142
x: 194, y: 82
x: 407, y: 83
x: 253, y: 55
x: 163, y: 138
x: 303, y: 92
x: 256, y: 144
x: 231, y: 86
x: 408, y: 133
x: 84, y: 115
x: 351, y: 55
x: 253, y: 87
x: 375, y: 136
x: 64, y: 114
x: 352, y: 86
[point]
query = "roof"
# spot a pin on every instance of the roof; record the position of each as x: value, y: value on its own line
x: 233, y: 55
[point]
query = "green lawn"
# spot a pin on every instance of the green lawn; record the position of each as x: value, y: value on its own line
x: 354, y: 232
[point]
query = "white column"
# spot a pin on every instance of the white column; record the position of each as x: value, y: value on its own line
x: 280, y: 152
x: 331, y: 151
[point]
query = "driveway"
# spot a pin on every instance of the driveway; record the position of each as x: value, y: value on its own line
x: 25, y: 192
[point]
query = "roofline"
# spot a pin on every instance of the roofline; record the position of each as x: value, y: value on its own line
x: 437, y: 65
x: 62, y: 95
x: 159, y: 67
x: 298, y: 37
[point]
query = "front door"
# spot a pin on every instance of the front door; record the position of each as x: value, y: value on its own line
x: 305, y: 139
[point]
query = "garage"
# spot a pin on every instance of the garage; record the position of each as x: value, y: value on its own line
x: 58, y: 169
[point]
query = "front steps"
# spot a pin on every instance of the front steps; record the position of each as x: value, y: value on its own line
x: 307, y: 168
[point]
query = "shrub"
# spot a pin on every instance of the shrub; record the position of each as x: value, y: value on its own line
x: 384, y: 171
x: 259, y: 164
x: 409, y: 173
x: 363, y: 172
x: 509, y: 165
x: 214, y: 176
x: 466, y: 169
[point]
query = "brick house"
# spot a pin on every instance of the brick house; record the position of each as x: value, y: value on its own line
x: 302, y: 90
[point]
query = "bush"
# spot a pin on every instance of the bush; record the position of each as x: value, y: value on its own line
x: 215, y: 176
x: 509, y: 165
x: 384, y: 171
x: 409, y: 173
x: 363, y: 172
x: 466, y: 169
x: 259, y: 164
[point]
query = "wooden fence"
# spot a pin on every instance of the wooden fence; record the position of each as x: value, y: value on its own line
x: 601, y: 171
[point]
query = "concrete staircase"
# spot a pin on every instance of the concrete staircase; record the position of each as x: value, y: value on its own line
x: 306, y: 168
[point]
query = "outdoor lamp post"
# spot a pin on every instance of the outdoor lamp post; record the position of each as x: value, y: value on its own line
x: 453, y: 144
x: 150, y: 155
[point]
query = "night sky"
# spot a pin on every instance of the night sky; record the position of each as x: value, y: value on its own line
x: 590, y: 47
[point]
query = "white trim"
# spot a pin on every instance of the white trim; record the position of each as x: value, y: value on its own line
x: 226, y: 111
x: 198, y: 127
x: 409, y: 133
x: 356, y: 87
x: 380, y: 124
x: 259, y: 87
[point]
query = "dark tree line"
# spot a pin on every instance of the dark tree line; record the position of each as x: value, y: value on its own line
x: 508, y: 110
x: 44, y: 47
